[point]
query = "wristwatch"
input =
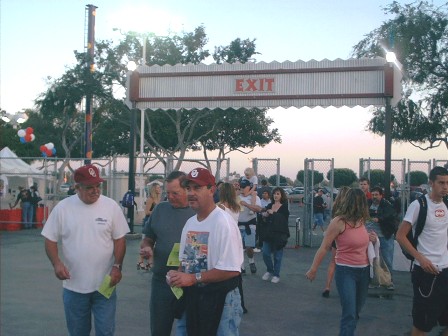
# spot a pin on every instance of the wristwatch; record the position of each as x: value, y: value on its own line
x: 198, y: 277
x: 117, y: 266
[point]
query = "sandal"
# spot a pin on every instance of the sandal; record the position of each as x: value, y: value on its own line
x: 148, y: 266
x: 140, y: 266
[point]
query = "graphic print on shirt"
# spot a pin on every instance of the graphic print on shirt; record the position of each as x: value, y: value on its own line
x: 195, y: 254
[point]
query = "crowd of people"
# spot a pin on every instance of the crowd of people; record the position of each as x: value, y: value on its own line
x: 199, y: 240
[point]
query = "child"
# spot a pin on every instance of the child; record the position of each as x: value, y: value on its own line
x: 249, y: 173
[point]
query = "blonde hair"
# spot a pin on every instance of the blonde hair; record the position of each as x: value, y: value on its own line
x: 340, y: 198
x: 249, y: 171
x: 153, y: 194
x: 227, y: 195
x: 353, y: 206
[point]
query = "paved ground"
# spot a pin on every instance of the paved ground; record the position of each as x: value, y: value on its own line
x: 31, y: 297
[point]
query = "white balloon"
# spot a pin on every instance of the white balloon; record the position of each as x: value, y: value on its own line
x: 33, y: 137
x: 49, y: 145
x: 21, y: 133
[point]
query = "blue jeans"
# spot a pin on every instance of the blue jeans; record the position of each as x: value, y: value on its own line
x: 79, y: 308
x: 161, y: 307
x: 318, y: 219
x: 268, y: 252
x: 352, y: 284
x: 387, y: 251
x: 230, y: 318
x: 27, y: 215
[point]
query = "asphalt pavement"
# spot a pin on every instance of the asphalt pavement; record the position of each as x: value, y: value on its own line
x: 31, y: 303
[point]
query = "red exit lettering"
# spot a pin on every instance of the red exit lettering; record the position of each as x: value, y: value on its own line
x: 254, y: 85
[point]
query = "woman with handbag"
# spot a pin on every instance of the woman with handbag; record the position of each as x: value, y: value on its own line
x: 352, y: 262
x: 275, y: 234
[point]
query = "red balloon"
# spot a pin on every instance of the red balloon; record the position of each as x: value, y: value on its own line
x: 28, y: 137
x: 43, y: 148
x: 29, y: 130
x: 49, y: 152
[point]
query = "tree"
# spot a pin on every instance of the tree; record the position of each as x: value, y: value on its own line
x: 272, y: 180
x: 417, y: 178
x: 343, y: 177
x: 417, y: 34
x: 317, y: 177
x: 377, y: 177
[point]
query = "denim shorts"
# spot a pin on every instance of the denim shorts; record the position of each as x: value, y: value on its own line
x: 248, y: 240
x: 430, y: 302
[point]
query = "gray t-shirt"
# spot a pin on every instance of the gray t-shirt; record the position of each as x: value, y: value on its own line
x: 164, y: 227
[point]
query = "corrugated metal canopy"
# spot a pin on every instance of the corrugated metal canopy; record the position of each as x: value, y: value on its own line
x: 353, y: 82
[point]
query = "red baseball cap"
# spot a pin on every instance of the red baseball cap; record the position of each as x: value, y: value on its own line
x: 201, y: 177
x: 88, y: 175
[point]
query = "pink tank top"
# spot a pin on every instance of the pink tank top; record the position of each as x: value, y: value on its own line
x: 352, y: 247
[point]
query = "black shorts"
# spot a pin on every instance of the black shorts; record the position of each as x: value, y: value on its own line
x: 430, y: 304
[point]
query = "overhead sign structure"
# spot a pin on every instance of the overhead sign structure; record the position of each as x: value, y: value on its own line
x: 353, y: 82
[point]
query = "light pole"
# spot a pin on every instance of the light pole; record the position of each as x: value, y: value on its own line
x: 133, y: 96
x: 388, y: 93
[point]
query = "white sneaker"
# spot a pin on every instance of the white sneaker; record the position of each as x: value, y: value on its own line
x: 275, y: 279
x: 257, y: 250
x: 314, y: 233
x: 251, y: 212
x: 266, y: 276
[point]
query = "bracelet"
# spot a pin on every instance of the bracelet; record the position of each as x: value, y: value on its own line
x: 117, y: 266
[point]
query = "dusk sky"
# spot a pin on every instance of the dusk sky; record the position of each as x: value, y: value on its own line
x: 38, y: 38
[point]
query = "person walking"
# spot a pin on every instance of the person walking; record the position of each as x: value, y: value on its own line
x: 162, y: 233
x: 229, y: 203
x: 352, y: 263
x: 24, y: 197
x: 319, y: 206
x: 274, y: 234
x: 211, y: 255
x: 430, y: 267
x: 154, y: 198
x: 90, y: 229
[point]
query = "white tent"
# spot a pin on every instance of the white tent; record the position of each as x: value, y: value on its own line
x: 12, y: 165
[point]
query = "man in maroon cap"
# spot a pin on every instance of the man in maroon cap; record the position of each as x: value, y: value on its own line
x: 211, y: 256
x: 91, y: 230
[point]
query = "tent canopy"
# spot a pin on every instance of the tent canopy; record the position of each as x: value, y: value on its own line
x: 12, y: 165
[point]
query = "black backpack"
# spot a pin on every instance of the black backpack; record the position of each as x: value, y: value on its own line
x: 421, y: 220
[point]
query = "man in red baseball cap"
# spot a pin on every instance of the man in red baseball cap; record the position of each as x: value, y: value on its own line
x: 211, y: 254
x: 91, y: 228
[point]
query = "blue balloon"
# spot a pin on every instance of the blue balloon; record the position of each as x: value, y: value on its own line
x: 54, y: 151
x: 22, y: 140
x: 44, y: 154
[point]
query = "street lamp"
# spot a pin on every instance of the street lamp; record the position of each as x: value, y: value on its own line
x: 14, y: 119
x: 389, y: 93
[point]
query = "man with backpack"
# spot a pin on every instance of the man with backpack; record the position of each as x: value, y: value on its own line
x: 383, y: 222
x: 430, y: 253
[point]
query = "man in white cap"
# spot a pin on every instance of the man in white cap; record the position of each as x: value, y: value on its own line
x: 211, y: 256
x: 91, y: 230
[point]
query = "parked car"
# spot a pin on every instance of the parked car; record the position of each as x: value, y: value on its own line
x: 296, y: 195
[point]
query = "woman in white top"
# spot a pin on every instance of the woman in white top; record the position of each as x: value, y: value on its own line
x: 229, y: 203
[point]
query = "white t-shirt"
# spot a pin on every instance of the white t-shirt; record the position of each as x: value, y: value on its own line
x: 86, y: 233
x: 233, y: 214
x: 432, y: 242
x: 254, y: 180
x: 245, y: 215
x: 214, y: 242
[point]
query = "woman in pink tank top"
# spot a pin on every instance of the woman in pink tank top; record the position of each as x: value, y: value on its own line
x: 352, y: 264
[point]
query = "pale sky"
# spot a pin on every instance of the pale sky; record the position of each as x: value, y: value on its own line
x: 38, y: 38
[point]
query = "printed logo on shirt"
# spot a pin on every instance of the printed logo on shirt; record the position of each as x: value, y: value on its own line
x: 440, y: 213
x: 195, y: 254
x: 101, y: 221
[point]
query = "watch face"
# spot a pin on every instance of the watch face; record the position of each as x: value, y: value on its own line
x: 198, y: 277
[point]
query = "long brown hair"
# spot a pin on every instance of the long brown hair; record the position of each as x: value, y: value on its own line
x: 353, y: 207
x: 227, y: 195
x: 340, y: 198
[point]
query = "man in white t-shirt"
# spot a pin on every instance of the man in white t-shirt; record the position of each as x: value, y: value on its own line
x: 430, y: 271
x: 211, y: 255
x: 247, y: 221
x: 90, y: 229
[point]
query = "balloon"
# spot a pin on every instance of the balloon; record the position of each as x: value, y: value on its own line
x: 50, y: 145
x: 29, y: 130
x: 33, y: 137
x: 48, y: 152
x: 44, y: 154
x: 53, y: 151
x: 21, y: 133
x: 22, y: 140
x: 42, y: 148
x: 28, y: 137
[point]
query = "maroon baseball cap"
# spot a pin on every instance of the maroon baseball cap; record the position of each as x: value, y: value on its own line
x: 201, y: 177
x: 88, y: 175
